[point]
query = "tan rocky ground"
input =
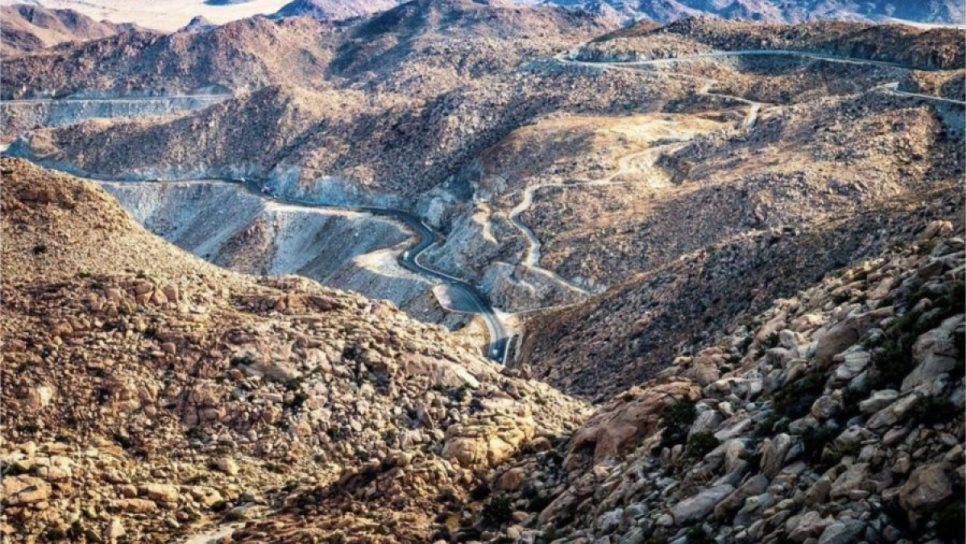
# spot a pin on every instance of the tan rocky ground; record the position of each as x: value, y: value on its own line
x: 147, y: 393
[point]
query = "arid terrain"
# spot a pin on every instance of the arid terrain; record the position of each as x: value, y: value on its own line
x: 460, y: 271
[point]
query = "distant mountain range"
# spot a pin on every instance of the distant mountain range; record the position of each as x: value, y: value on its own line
x: 921, y: 11
x: 27, y: 28
x: 221, y: 11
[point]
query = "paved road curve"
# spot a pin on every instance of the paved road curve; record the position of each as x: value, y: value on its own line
x: 464, y: 295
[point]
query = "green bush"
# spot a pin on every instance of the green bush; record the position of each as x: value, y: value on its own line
x: 497, y: 511
x: 950, y: 521
x: 677, y: 419
x: 796, y: 400
x: 701, y: 444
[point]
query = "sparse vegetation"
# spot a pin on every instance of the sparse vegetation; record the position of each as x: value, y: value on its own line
x: 795, y: 400
x: 700, y: 444
x: 676, y: 418
x: 497, y: 511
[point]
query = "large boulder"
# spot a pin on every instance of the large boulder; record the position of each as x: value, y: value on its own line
x: 635, y: 415
x: 22, y: 490
x: 928, y: 486
x: 700, y: 505
x: 936, y: 352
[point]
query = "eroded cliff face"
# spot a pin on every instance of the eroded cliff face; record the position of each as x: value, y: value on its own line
x: 227, y: 225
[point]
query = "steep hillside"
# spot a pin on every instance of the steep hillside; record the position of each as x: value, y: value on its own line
x: 28, y: 28
x: 167, y: 394
x: 834, y: 416
x: 422, y: 47
x: 937, y: 11
x: 250, y: 53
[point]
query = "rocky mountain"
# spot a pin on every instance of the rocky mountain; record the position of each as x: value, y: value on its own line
x: 173, y: 394
x: 334, y: 10
x: 28, y: 28
x: 912, y: 47
x: 163, y: 15
x: 248, y: 53
x: 722, y: 262
x: 407, y: 47
x: 932, y: 11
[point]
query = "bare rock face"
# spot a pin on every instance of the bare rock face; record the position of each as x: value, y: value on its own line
x: 926, y: 488
x: 635, y: 415
x: 24, y: 490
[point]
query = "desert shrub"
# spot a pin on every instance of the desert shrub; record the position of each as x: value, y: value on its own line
x: 480, y: 492
x: 950, y: 520
x: 893, y: 359
x: 773, y: 424
x: 815, y: 439
x: 677, y: 418
x: 933, y: 410
x: 701, y: 444
x: 796, y: 400
x: 497, y: 511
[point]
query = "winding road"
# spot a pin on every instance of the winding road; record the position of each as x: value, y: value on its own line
x: 531, y: 258
x: 465, y: 297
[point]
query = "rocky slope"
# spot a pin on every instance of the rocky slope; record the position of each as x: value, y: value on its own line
x: 938, y: 12
x: 27, y: 28
x: 763, y: 202
x: 606, y: 344
x: 835, y: 416
x: 408, y: 45
x: 910, y: 46
x: 149, y: 394
x: 225, y: 224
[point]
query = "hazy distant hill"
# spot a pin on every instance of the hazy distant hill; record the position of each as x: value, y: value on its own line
x: 26, y: 28
x: 332, y: 10
x: 924, y: 11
